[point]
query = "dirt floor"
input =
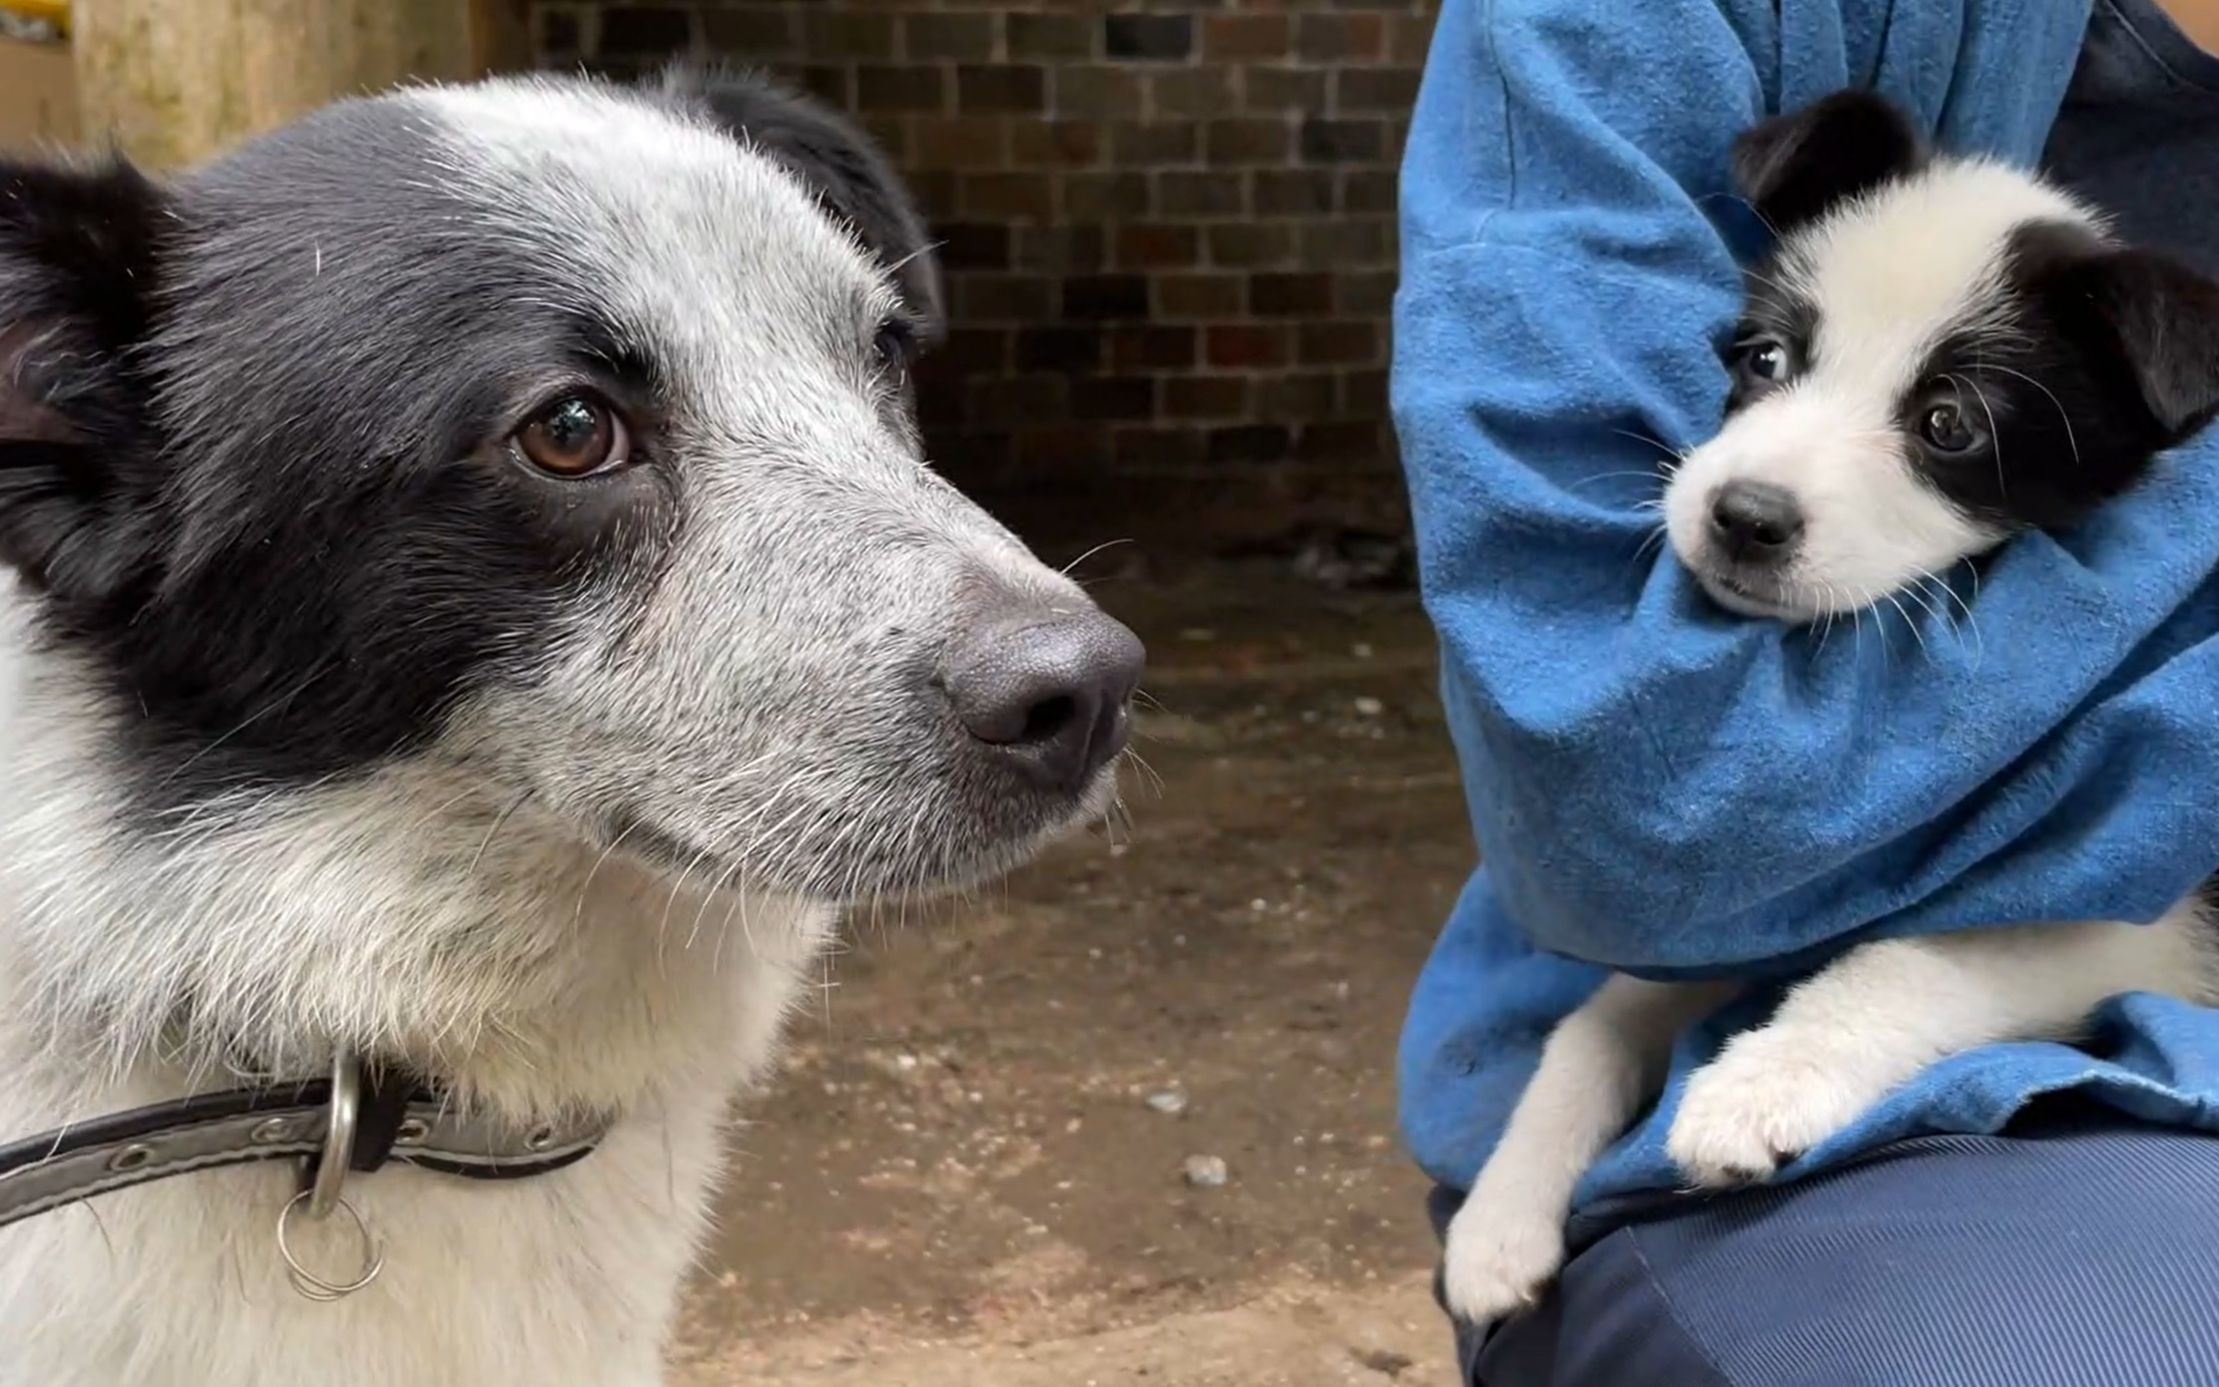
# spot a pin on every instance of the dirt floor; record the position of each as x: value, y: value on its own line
x: 974, y: 1167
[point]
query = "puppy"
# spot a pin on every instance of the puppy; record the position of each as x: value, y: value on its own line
x: 1937, y: 353
x: 478, y: 604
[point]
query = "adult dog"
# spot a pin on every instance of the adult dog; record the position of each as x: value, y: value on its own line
x: 478, y: 607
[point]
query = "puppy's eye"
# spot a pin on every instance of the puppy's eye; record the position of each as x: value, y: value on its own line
x: 575, y: 436
x: 1764, y: 359
x: 1946, y: 430
x: 894, y: 342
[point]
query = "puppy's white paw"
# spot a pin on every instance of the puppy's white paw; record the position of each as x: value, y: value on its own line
x: 1499, y: 1260
x: 1771, y: 1095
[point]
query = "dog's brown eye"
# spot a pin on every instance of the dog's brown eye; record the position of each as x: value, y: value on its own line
x: 1763, y: 361
x: 576, y: 436
x: 1945, y: 429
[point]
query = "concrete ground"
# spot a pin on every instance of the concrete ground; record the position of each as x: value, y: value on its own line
x: 972, y: 1170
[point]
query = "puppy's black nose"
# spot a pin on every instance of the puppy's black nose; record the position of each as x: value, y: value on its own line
x: 1755, y: 522
x: 1050, y: 691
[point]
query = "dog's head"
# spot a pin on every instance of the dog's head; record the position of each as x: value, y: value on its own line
x: 556, y: 432
x: 1936, y: 353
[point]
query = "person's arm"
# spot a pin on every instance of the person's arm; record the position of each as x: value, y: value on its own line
x: 1658, y: 785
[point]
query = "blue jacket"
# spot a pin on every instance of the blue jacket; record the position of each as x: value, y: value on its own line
x: 1660, y: 787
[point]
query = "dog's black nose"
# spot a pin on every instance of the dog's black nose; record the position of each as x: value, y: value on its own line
x: 1051, y: 691
x: 1755, y: 522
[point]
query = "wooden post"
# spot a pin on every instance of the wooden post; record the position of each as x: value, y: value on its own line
x: 173, y: 81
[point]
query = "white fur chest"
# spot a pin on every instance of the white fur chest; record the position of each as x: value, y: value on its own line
x: 529, y: 976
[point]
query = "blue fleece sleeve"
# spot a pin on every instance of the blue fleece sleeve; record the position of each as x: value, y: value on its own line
x: 1657, y: 785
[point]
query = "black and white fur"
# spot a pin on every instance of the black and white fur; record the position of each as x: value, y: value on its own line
x: 332, y: 719
x: 1937, y: 353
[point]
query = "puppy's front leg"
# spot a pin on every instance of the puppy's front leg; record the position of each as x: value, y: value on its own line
x: 1879, y: 1014
x: 1600, y: 1065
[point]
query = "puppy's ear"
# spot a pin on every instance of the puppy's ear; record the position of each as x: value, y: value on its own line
x: 851, y: 177
x: 1794, y: 167
x: 2159, y: 320
x: 77, y: 280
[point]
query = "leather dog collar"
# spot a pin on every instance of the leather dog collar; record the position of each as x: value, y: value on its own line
x: 387, y: 1118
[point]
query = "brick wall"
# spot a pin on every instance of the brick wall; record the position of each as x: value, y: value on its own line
x: 1169, y: 234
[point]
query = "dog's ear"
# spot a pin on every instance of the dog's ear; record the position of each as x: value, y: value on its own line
x: 2158, y: 318
x: 1794, y: 167
x: 78, y: 277
x: 840, y: 162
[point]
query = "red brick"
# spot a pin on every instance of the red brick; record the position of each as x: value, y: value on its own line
x: 1343, y: 141
x: 1340, y: 38
x: 1229, y: 37
x: 1368, y: 190
x: 1364, y: 394
x: 1114, y: 397
x: 1369, y: 292
x: 941, y: 395
x: 1247, y: 141
x: 1101, y: 400
x: 755, y: 35
x: 958, y: 142
x: 1337, y: 343
x: 1060, y: 449
x: 969, y: 453
x: 1202, y: 296
x: 935, y: 191
x: 1105, y: 296
x: 1061, y: 249
x: 1193, y: 91
x: 647, y: 30
x: 1250, y: 443
x: 1012, y: 196
x: 1295, y: 399
x: 1106, y: 196
x: 1152, y: 348
x: 1290, y: 295
x: 1245, y: 346
x: 974, y: 245
x: 1001, y: 298
x: 1020, y: 399
x: 1285, y: 89
x: 1096, y: 91
x: 1059, y: 349
x: 899, y: 89
x: 1342, y: 441
x: 1251, y: 245
x: 1205, y: 397
x: 557, y: 34
x: 846, y: 34
x: 1375, y: 88
x: 1199, y: 194
x: 1059, y: 143
x: 1291, y: 192
x: 1408, y: 37
x: 1153, y: 38
x: 1156, y: 246
x: 1146, y: 448
x: 973, y: 351
x: 1345, y: 244
x: 835, y: 85
x: 970, y: 37
x: 1051, y: 36
x: 999, y: 87
x: 1135, y: 143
